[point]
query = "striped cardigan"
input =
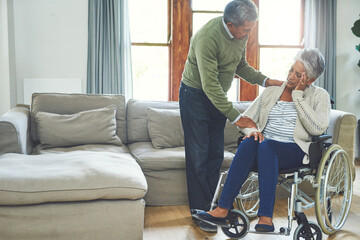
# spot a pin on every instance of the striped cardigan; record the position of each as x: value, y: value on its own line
x: 313, y: 108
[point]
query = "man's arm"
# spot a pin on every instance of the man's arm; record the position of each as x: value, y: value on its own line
x: 206, y: 56
x: 245, y: 122
x: 248, y: 73
x: 273, y: 82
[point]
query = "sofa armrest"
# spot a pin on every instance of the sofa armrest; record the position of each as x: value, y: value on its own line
x: 15, y: 131
x: 342, y: 127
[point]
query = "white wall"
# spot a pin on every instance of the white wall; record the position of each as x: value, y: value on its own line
x: 50, y: 40
x: 4, y: 59
x: 347, y: 71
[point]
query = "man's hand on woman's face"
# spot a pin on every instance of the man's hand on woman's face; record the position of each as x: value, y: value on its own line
x: 258, y: 136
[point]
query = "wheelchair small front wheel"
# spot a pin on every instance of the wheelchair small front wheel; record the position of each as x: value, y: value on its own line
x: 312, y: 233
x: 238, y: 225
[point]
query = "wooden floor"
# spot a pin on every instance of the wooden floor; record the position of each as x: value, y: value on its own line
x: 174, y: 222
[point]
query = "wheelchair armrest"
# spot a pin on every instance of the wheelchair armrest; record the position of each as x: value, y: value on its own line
x: 240, y: 139
x: 321, y: 138
x: 315, y: 149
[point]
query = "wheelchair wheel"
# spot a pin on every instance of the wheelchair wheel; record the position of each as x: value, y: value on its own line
x: 314, y: 234
x: 248, y: 198
x: 239, y: 225
x: 334, y: 192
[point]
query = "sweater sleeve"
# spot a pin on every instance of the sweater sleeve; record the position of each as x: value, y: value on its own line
x: 314, y: 119
x: 248, y: 73
x: 206, y: 56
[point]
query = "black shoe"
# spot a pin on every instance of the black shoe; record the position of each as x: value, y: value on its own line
x: 202, y: 215
x: 264, y: 228
x: 207, y: 227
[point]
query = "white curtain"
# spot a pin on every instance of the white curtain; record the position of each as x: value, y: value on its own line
x: 109, y: 48
x: 320, y: 32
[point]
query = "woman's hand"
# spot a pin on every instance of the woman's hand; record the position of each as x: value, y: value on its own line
x: 303, y: 82
x: 258, y: 136
x: 245, y: 122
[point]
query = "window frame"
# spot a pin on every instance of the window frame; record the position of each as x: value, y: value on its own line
x: 179, y: 34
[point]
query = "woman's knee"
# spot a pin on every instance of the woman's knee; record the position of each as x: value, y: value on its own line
x: 266, y: 152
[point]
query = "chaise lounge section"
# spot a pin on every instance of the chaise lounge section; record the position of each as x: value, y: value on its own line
x: 84, y: 185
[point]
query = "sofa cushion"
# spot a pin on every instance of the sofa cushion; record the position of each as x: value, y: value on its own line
x: 87, y: 127
x: 137, y: 121
x: 61, y: 103
x: 88, y: 147
x: 165, y: 129
x: 150, y: 158
x: 72, y: 176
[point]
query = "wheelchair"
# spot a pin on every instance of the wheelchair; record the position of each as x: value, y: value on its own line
x: 329, y: 173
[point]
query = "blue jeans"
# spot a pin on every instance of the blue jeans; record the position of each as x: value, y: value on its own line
x: 203, y: 126
x: 270, y: 156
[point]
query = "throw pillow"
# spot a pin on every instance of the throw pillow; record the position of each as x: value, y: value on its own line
x: 96, y: 126
x: 165, y: 129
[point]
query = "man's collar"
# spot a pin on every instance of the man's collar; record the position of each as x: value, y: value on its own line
x: 227, y: 29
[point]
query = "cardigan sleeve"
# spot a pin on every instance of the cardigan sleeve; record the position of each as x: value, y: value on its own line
x: 315, y: 119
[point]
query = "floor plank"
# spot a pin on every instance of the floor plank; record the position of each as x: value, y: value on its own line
x: 174, y: 222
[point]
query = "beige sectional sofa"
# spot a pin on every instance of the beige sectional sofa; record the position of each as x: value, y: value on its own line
x: 97, y: 186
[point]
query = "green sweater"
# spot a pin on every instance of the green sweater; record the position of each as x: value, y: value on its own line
x: 213, y: 60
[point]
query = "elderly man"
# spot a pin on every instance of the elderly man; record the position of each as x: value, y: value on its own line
x: 217, y: 52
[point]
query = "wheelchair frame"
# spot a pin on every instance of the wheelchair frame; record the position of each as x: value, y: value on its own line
x: 318, y: 173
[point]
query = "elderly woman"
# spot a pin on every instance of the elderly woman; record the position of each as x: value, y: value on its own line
x: 286, y: 117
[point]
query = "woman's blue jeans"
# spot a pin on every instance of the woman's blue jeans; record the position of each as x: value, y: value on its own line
x: 203, y: 126
x: 270, y: 156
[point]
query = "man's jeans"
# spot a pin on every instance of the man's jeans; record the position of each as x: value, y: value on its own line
x: 270, y: 156
x: 203, y: 128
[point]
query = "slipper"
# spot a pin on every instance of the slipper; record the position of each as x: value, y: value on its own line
x: 202, y: 215
x: 264, y: 228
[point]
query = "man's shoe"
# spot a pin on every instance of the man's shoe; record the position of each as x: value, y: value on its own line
x: 264, y: 228
x: 202, y: 215
x: 207, y: 227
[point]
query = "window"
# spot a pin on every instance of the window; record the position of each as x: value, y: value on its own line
x: 149, y: 29
x: 280, y: 35
x: 161, y: 32
x: 202, y: 12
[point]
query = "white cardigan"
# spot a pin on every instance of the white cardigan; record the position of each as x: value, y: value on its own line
x: 312, y: 106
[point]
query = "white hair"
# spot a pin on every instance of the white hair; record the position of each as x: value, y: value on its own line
x: 239, y: 11
x: 313, y: 61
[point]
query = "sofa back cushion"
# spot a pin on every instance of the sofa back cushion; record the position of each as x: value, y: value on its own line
x: 61, y: 103
x: 165, y: 128
x: 137, y: 120
x: 97, y: 126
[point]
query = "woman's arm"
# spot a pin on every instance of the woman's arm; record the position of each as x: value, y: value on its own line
x: 314, y: 118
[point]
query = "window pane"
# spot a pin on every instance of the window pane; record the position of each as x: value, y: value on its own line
x: 200, y: 19
x: 150, y: 72
x: 276, y: 62
x: 279, y: 22
x: 209, y: 5
x: 148, y: 20
x: 233, y: 92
